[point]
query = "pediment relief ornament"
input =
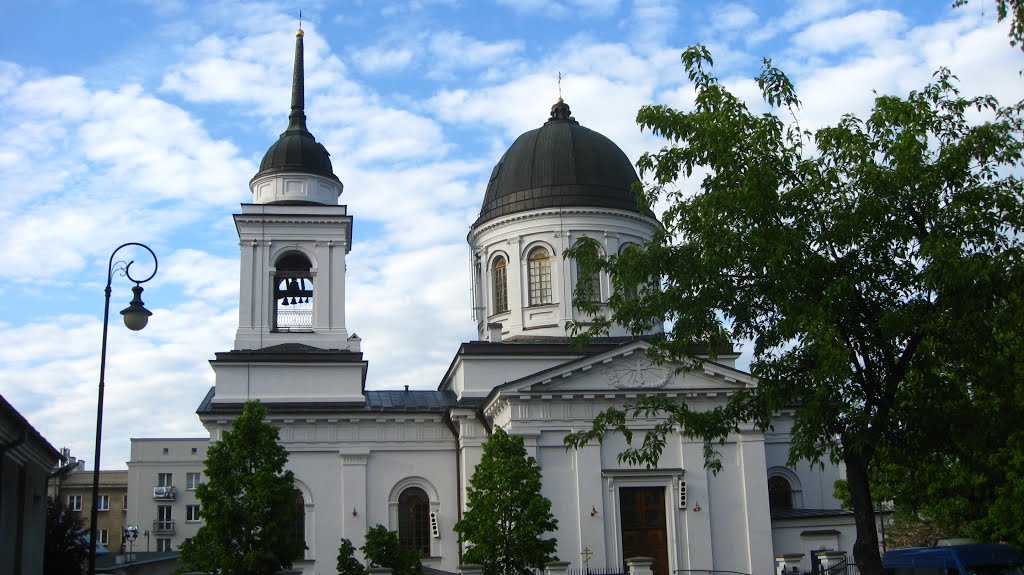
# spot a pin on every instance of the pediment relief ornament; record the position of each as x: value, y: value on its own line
x: 638, y: 373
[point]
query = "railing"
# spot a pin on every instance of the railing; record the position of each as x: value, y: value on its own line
x: 294, y: 319
x: 707, y: 572
x: 163, y: 527
x: 597, y: 571
x: 167, y: 493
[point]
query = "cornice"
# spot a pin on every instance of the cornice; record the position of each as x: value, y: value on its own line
x: 535, y: 214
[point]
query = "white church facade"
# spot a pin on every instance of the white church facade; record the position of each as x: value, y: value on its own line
x: 404, y: 458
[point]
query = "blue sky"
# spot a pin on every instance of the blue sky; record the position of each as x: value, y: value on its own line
x: 143, y: 120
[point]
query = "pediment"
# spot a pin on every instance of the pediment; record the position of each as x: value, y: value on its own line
x: 629, y: 370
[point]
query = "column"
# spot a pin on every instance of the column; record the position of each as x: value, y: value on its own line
x: 755, y: 490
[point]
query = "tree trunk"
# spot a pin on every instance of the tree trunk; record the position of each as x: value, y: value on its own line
x: 865, y: 549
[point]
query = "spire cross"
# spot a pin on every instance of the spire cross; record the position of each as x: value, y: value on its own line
x: 559, y: 85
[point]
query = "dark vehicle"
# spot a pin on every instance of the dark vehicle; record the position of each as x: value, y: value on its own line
x: 971, y: 559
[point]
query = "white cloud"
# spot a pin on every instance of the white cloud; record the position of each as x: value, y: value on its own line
x: 871, y: 30
x: 565, y: 8
x: 731, y: 16
x: 453, y: 51
x: 377, y: 59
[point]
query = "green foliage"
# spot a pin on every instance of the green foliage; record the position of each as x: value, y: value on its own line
x: 248, y: 502
x: 67, y: 545
x: 347, y: 562
x: 1014, y: 9
x: 506, y: 515
x: 876, y: 265
x: 383, y: 549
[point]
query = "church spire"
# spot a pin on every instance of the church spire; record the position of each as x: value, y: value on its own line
x: 297, y: 117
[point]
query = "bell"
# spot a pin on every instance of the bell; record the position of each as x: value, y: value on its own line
x: 293, y: 301
x: 284, y: 301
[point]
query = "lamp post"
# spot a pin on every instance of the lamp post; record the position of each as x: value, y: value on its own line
x: 136, y: 316
x: 131, y: 533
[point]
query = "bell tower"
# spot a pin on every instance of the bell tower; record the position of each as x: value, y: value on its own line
x: 293, y: 241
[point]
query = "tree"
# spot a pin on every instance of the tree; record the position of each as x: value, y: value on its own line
x: 67, y: 545
x: 506, y: 515
x: 383, y: 549
x: 1015, y: 10
x: 347, y: 562
x: 871, y: 263
x: 248, y: 502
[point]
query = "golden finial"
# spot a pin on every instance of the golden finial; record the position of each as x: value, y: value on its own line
x: 299, y: 33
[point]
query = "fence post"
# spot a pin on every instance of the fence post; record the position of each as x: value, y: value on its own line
x: 640, y: 565
x: 556, y: 568
x: 831, y: 559
x: 788, y: 563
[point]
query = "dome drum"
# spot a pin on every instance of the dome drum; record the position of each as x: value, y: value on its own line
x: 295, y: 188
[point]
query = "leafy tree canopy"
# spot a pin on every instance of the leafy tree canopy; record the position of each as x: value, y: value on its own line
x: 506, y: 516
x: 1012, y: 9
x: 873, y: 263
x: 383, y: 549
x: 248, y: 503
x: 347, y: 562
x: 67, y: 546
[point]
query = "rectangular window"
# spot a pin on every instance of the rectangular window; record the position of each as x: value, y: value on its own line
x: 164, y: 522
x: 103, y: 536
x: 163, y: 545
x: 75, y: 502
x: 191, y: 513
x: 103, y: 503
x: 124, y: 503
x: 191, y: 480
x: 539, y: 273
x: 163, y: 480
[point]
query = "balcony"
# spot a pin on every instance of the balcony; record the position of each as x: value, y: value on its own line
x: 163, y: 527
x: 164, y: 493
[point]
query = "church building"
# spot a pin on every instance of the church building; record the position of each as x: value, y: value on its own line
x: 404, y: 458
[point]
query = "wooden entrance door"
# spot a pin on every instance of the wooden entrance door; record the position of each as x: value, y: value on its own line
x: 643, y: 525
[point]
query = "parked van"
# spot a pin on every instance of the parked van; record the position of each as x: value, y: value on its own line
x: 972, y: 559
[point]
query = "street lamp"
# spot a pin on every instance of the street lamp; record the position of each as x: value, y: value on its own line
x: 131, y: 533
x: 136, y: 316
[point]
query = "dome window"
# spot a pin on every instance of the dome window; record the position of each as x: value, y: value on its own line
x: 500, y: 279
x: 293, y: 294
x: 590, y: 282
x: 539, y: 274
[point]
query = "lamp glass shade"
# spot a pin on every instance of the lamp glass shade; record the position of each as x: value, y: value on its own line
x: 136, y: 316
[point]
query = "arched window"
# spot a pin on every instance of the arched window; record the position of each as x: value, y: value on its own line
x: 414, y: 520
x: 780, y: 493
x: 538, y: 271
x: 299, y: 529
x: 592, y: 281
x: 629, y: 291
x: 500, y: 278
x: 293, y: 293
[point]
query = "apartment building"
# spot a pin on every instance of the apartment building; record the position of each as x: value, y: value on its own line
x: 75, y: 490
x: 162, y: 476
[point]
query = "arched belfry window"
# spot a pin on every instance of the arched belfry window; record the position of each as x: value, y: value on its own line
x: 499, y: 275
x: 293, y: 293
x: 780, y: 493
x: 414, y: 520
x: 538, y: 271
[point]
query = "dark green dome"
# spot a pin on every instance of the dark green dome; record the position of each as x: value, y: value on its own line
x: 560, y: 164
x: 297, y: 151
